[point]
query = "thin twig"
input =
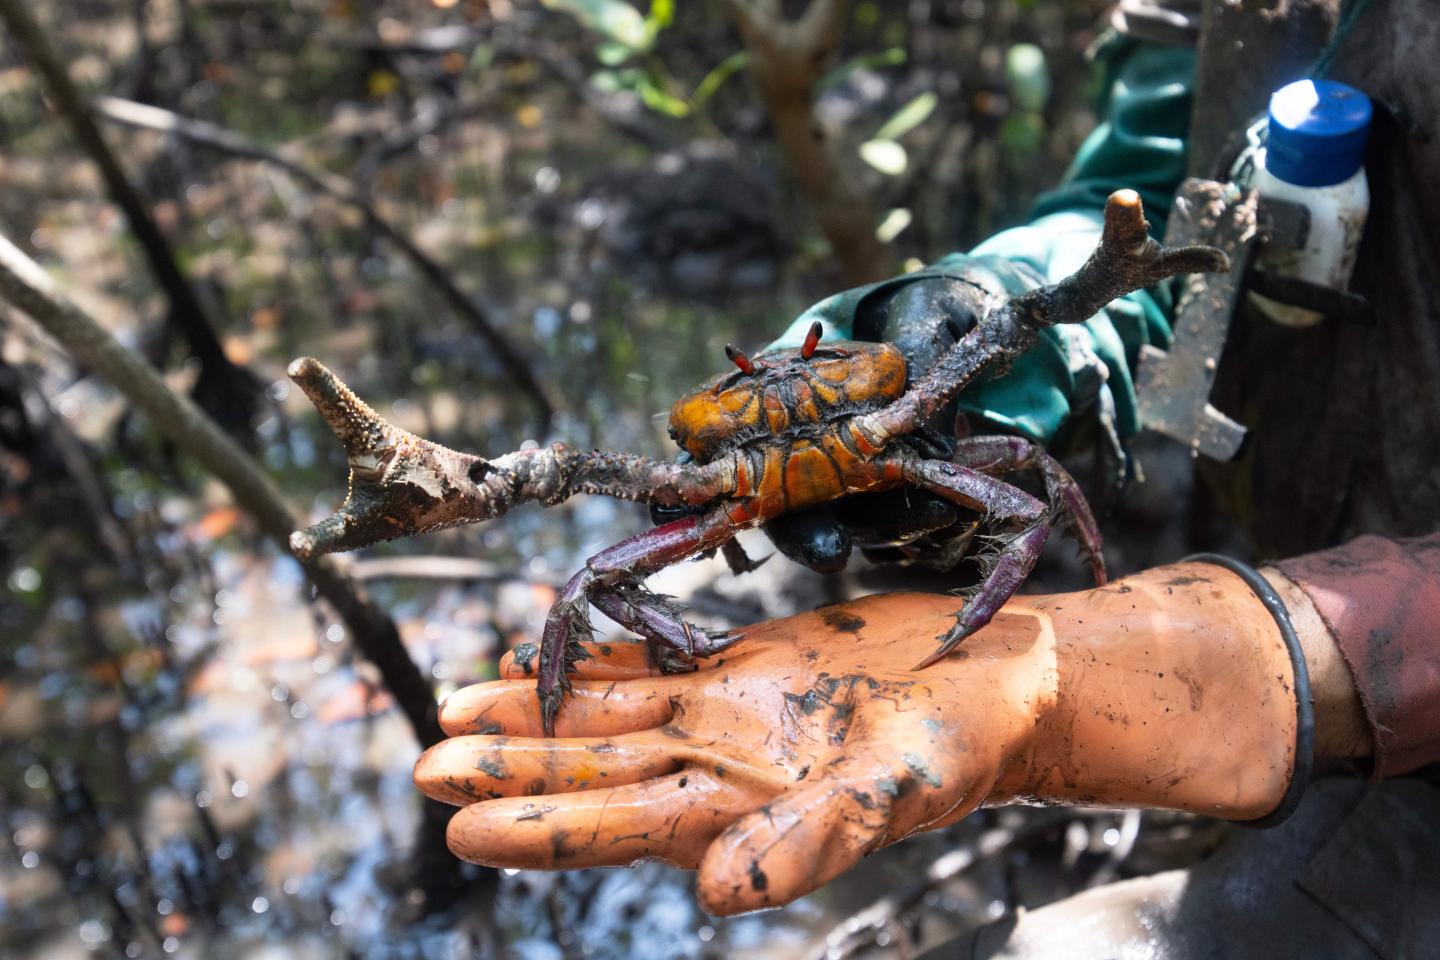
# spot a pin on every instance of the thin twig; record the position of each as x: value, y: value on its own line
x: 75, y: 459
x: 341, y: 190
x: 26, y: 286
x: 227, y: 390
x: 441, y: 568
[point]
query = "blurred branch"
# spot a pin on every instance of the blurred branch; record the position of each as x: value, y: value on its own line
x: 441, y: 568
x: 74, y: 458
x: 432, y: 112
x: 228, y: 391
x: 26, y: 286
x: 630, y: 121
x: 787, y: 58
x: 341, y: 190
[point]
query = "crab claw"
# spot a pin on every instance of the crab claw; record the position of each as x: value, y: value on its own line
x: 400, y: 484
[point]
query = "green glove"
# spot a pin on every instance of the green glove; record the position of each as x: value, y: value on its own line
x: 1073, y: 373
x: 1087, y: 370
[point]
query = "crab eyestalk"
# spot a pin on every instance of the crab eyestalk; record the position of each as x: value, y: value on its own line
x: 733, y: 353
x: 812, y: 340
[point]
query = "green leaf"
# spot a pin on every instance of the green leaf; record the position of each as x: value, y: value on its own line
x: 660, y: 100
x: 607, y: 81
x: 1027, y: 76
x: 908, y: 117
x: 483, y: 56
x: 716, y: 78
x: 614, y: 19
x: 892, y: 57
x: 613, y: 54
x: 661, y: 15
x: 887, y: 156
x: 1022, y: 134
x: 894, y: 224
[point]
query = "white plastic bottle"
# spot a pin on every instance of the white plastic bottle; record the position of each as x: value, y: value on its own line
x: 1314, y: 156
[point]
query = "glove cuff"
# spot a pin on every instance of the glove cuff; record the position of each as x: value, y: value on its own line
x: 1304, y: 702
x: 1175, y: 688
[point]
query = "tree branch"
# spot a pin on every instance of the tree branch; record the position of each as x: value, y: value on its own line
x: 26, y: 286
x: 787, y: 58
x: 1127, y: 259
x: 462, y: 569
x: 339, y: 189
x: 401, y: 484
x: 227, y: 390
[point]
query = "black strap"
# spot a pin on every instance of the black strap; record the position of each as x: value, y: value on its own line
x: 1304, y: 702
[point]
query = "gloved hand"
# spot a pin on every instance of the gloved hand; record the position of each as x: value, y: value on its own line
x: 776, y: 766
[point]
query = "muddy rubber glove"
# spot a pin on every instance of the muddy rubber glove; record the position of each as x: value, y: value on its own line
x: 776, y: 766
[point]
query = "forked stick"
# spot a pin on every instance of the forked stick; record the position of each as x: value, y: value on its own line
x: 402, y: 485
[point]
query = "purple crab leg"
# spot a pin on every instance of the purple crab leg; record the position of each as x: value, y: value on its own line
x: 1002, y: 454
x: 626, y: 563
x: 1016, y: 555
x: 657, y: 619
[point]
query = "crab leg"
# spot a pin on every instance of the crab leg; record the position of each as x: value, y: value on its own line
x: 1002, y: 454
x: 1017, y: 553
x: 610, y: 579
x: 659, y: 620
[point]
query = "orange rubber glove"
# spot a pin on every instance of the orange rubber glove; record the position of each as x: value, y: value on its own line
x: 778, y: 765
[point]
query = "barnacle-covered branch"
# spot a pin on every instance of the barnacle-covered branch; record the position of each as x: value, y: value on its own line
x: 401, y: 484
x: 1127, y: 259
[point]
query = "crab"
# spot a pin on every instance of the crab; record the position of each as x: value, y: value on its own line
x: 781, y: 432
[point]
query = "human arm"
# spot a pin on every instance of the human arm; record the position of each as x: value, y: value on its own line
x: 1343, y: 737
x: 775, y: 767
x: 1379, y: 601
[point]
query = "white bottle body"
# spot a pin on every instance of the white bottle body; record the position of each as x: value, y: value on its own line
x: 1337, y: 220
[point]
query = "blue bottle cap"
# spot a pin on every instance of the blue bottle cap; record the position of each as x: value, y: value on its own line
x: 1317, y: 132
